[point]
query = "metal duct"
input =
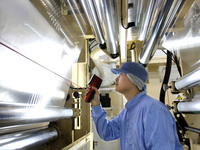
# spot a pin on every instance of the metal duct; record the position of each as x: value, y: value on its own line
x: 189, y: 80
x: 89, y: 9
x: 103, y: 70
x: 28, y: 139
x: 165, y: 16
x: 15, y: 116
x: 111, y: 26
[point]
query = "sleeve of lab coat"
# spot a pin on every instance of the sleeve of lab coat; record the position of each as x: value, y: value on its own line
x: 107, y: 129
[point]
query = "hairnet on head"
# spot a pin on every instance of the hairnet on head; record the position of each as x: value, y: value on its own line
x: 136, y: 73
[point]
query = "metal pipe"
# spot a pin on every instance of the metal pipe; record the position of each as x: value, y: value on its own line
x: 189, y: 80
x: 22, y: 127
x: 165, y: 17
x: 139, y: 12
x: 93, y: 20
x: 193, y: 129
x: 28, y: 139
x: 189, y: 107
x: 27, y: 115
x: 80, y: 21
x: 145, y: 19
x: 110, y: 22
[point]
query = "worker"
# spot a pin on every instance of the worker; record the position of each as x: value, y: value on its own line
x: 145, y: 123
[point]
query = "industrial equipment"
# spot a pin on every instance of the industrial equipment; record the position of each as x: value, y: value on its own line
x: 50, y: 49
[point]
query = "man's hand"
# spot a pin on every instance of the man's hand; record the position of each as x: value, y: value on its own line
x: 95, y: 101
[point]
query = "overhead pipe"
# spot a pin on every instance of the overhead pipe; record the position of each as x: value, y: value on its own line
x: 110, y: 22
x: 145, y: 18
x: 16, y: 116
x: 139, y: 12
x: 164, y: 19
x: 90, y: 12
x: 78, y: 17
x: 28, y: 139
x: 189, y: 80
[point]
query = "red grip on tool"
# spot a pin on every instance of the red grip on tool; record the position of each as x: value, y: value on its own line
x: 95, y: 81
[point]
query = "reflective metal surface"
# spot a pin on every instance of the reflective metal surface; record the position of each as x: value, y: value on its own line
x: 29, y: 115
x: 190, y: 106
x: 166, y: 14
x: 189, y: 80
x: 89, y: 9
x: 110, y: 23
x: 28, y: 139
x: 38, y: 47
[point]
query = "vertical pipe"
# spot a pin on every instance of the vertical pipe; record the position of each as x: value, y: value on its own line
x: 111, y: 26
x: 165, y: 17
x: 89, y: 9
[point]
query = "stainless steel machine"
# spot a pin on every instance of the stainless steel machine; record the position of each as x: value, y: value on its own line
x: 49, y: 49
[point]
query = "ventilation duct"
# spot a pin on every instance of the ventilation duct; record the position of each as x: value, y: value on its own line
x: 101, y: 69
x: 166, y: 13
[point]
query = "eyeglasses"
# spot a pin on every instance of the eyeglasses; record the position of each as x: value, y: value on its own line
x: 120, y: 74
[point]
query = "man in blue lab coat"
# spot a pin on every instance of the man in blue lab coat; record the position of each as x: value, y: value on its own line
x: 145, y: 123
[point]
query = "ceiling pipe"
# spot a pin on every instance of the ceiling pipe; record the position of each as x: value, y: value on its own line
x: 110, y: 22
x: 165, y: 17
x: 91, y: 14
x: 145, y: 20
x: 139, y: 11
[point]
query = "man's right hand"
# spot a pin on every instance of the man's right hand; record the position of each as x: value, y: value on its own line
x: 95, y: 101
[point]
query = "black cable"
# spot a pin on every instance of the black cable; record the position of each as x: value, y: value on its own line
x: 94, y: 46
x: 92, y: 43
x: 176, y: 61
x: 171, y: 57
x: 166, y: 76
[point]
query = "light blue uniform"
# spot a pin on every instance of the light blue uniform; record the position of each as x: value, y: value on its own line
x: 144, y: 124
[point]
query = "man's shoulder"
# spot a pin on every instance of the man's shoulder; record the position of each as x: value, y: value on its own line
x: 152, y: 103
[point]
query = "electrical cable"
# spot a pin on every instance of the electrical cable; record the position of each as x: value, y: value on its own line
x: 166, y: 76
x: 93, y: 46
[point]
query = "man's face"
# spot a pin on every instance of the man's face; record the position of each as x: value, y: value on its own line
x: 123, y: 84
